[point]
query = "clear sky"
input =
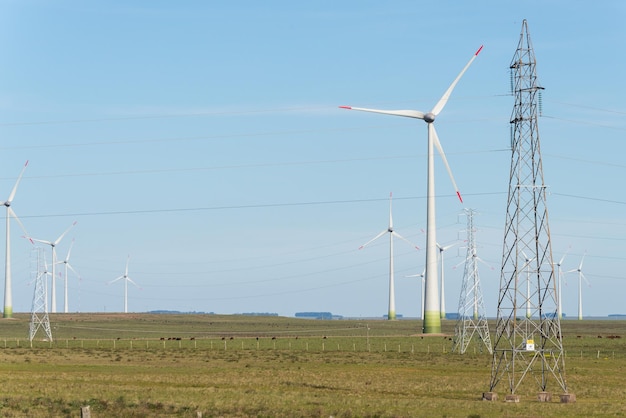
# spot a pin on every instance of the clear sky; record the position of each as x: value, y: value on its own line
x: 204, y: 140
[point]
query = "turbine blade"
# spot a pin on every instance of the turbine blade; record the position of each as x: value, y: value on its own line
x: 69, y: 266
x: 583, y: 276
x: 446, y: 247
x: 69, y: 251
x: 114, y: 280
x: 39, y: 240
x: 395, y: 234
x: 12, y: 214
x: 390, y: 218
x: 131, y: 280
x: 64, y: 233
x: 127, y: 261
x: 416, y: 114
x: 485, y: 263
x: 444, y: 99
x: 12, y: 195
x: 373, y: 239
x: 564, y: 254
x: 445, y: 160
x: 580, y: 267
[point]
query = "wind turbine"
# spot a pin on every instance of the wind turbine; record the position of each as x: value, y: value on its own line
x: 432, y: 316
x: 526, y: 265
x: 392, y: 297
x: 443, y: 297
x: 8, y: 291
x: 581, y: 276
x: 126, y: 280
x: 560, y: 283
x: 53, y: 244
x: 66, y: 263
x: 422, y: 275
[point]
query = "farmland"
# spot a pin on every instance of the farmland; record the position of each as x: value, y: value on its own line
x: 147, y: 365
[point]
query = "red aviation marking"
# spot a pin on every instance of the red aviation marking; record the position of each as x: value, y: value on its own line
x: 459, y: 195
x: 345, y: 107
x: 479, y: 49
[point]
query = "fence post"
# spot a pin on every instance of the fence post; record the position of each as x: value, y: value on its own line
x: 85, y: 412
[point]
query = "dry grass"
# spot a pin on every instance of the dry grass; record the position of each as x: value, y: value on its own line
x: 296, y: 367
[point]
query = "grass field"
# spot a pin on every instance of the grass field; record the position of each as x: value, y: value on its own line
x: 149, y: 365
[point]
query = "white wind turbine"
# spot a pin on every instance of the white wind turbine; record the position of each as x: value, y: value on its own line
x: 443, y: 294
x: 68, y: 266
x: 422, y: 276
x: 392, y: 298
x: 526, y: 265
x: 432, y: 316
x: 581, y: 276
x: 126, y: 280
x: 8, y: 291
x: 54, y: 244
x: 560, y: 285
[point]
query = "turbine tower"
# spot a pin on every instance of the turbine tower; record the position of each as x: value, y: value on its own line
x: 54, y: 244
x: 39, y: 316
x: 8, y: 290
x: 432, y: 315
x: 472, y: 314
x: 527, y: 344
x: 392, y: 294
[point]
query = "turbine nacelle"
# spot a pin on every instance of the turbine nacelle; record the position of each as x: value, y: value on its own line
x: 429, y: 117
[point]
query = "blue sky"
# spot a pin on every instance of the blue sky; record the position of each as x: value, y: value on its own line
x: 203, y: 139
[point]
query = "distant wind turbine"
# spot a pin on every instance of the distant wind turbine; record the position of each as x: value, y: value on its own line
x: 54, y: 244
x: 432, y: 315
x: 443, y: 294
x: 526, y: 265
x: 392, y: 298
x: 68, y: 266
x: 581, y: 276
x: 8, y: 291
x: 422, y: 276
x: 126, y: 280
x: 560, y: 283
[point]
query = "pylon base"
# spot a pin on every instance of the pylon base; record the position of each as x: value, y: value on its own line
x: 490, y: 396
x: 511, y: 398
x: 544, y: 397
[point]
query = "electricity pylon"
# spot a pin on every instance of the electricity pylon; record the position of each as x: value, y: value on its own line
x: 472, y: 315
x: 39, y: 317
x: 528, y: 339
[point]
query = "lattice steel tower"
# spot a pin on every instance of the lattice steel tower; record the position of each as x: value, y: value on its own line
x: 472, y: 320
x: 528, y: 338
x: 39, y: 316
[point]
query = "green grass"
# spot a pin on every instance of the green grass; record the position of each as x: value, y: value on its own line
x: 134, y: 366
